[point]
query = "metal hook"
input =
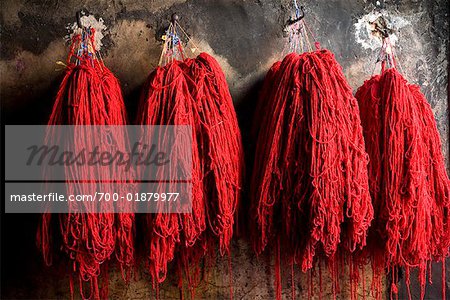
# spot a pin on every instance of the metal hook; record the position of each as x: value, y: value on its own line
x: 174, y: 18
x: 298, y: 19
x: 78, y: 16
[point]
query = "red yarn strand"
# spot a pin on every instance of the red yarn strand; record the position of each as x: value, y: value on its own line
x: 89, y: 95
x: 408, y: 180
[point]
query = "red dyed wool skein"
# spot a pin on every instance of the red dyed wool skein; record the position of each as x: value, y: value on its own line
x: 194, y: 92
x: 89, y: 95
x: 408, y: 181
x: 310, y: 192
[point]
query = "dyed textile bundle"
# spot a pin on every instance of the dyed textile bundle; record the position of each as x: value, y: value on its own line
x: 194, y: 92
x: 166, y: 101
x: 221, y: 151
x: 310, y: 191
x: 408, y: 180
x: 89, y: 95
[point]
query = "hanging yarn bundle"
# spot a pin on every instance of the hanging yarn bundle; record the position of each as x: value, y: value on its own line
x: 310, y: 191
x: 194, y: 92
x: 89, y: 95
x: 408, y: 181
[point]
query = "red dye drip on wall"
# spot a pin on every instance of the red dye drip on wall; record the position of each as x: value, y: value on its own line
x: 89, y: 95
x: 310, y: 188
x: 408, y: 180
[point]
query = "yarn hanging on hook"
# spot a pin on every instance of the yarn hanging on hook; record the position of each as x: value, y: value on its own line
x: 89, y: 95
x: 309, y: 191
x: 407, y: 177
x: 194, y: 92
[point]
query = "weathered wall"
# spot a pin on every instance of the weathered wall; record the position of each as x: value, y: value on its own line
x: 246, y: 37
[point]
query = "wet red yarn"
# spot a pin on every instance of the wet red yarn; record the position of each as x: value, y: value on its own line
x: 194, y: 92
x: 89, y: 95
x: 408, y: 180
x: 310, y: 185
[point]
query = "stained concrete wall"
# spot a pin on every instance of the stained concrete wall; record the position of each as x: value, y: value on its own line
x: 246, y: 37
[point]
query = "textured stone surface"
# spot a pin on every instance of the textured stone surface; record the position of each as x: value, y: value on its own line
x: 246, y: 37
